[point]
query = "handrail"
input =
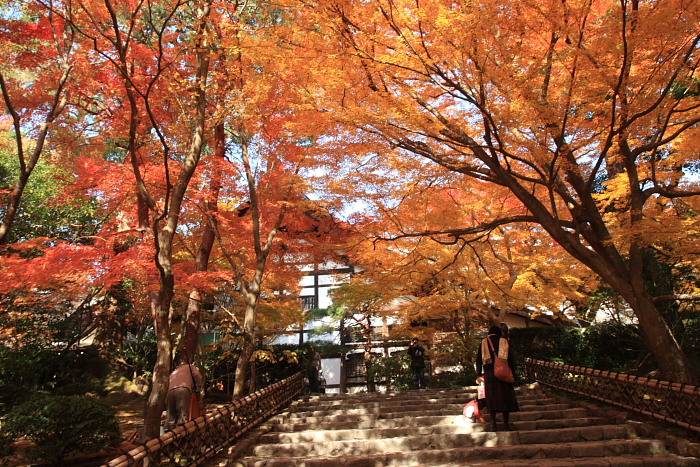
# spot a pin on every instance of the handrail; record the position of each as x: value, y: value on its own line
x: 675, y: 403
x: 200, y: 439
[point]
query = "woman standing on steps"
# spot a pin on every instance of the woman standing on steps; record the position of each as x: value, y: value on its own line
x: 500, y: 396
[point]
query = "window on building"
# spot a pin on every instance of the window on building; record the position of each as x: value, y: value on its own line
x: 354, y: 334
x: 355, y: 365
x: 308, y: 303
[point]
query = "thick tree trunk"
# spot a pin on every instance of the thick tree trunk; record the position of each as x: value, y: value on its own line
x: 193, y: 319
x: 601, y: 256
x: 195, y: 301
x: 164, y: 238
x: 239, y: 387
x: 160, y: 306
x: 672, y: 362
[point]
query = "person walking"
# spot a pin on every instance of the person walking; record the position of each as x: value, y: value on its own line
x: 417, y: 354
x: 314, y: 374
x: 500, y: 396
x: 185, y: 381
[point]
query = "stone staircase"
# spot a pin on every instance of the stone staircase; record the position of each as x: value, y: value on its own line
x: 426, y: 428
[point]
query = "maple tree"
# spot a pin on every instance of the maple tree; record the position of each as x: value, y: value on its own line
x: 276, y: 224
x: 35, y: 83
x: 361, y: 303
x: 131, y: 44
x: 196, y: 296
x: 268, y: 227
x: 452, y: 284
x: 145, y: 109
x: 586, y: 112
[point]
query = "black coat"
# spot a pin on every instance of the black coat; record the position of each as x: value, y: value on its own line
x: 500, y: 396
x: 417, y: 354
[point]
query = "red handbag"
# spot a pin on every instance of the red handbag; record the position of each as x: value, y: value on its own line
x: 501, y: 369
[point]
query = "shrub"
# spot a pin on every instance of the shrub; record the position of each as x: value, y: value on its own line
x: 691, y: 342
x: 606, y: 346
x: 5, y: 444
x: 452, y: 379
x: 60, y: 425
x: 555, y: 344
x: 32, y: 362
x: 80, y: 389
x: 393, y: 371
x: 613, y: 346
x: 138, y: 355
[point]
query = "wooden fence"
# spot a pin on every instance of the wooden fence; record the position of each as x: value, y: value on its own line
x: 198, y: 440
x: 676, y: 403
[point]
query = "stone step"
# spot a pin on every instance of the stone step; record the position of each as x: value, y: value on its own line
x: 310, y: 406
x: 284, y: 424
x: 668, y: 460
x: 467, y: 393
x: 427, y: 428
x: 379, y: 413
x: 531, y: 454
x: 440, y: 441
x: 459, y: 424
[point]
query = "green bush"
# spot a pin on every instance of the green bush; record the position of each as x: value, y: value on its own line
x: 691, y: 342
x: 138, y: 353
x: 5, y: 444
x: 60, y: 425
x: 613, y: 346
x: 607, y: 346
x: 451, y: 379
x: 552, y: 344
x: 34, y: 363
x: 393, y: 371
x: 80, y: 389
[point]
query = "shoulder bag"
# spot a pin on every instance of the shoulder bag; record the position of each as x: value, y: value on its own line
x: 500, y: 367
x: 195, y: 411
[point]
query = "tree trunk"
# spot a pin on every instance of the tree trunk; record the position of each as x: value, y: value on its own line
x: 603, y: 258
x: 164, y: 237
x: 371, y: 386
x: 367, y: 331
x: 161, y: 371
x: 672, y: 362
x: 194, y: 305
x: 239, y: 389
x: 251, y: 291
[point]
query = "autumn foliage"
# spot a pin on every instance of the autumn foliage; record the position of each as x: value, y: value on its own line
x: 473, y: 156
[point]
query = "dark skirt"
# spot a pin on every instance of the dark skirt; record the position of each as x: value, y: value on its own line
x: 500, y: 396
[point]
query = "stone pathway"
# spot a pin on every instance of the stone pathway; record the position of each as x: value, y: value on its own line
x: 426, y: 428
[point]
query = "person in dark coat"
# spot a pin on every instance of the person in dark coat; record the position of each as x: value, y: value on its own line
x: 417, y: 353
x: 500, y: 396
x: 315, y: 371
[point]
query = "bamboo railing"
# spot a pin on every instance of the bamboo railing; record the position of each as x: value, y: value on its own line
x: 198, y: 440
x: 676, y: 403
